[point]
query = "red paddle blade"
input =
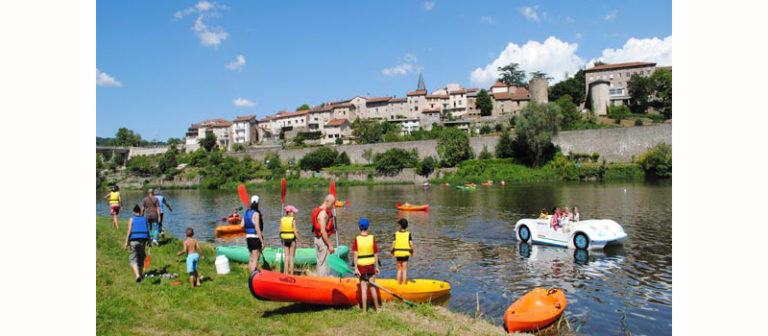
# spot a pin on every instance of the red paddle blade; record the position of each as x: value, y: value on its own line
x: 282, y: 192
x: 333, y: 188
x: 243, y: 194
x: 146, y: 262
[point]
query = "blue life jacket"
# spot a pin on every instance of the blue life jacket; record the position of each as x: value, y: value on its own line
x: 139, y: 228
x: 250, y: 227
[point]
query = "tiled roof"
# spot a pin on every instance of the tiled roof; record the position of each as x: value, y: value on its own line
x: 434, y: 96
x: 417, y: 93
x: 244, y: 118
x: 320, y: 108
x: 521, y: 94
x: 473, y: 90
x: 461, y: 91
x: 341, y: 105
x: 619, y: 65
x: 664, y: 68
x: 398, y: 100
x: 378, y: 100
x: 336, y: 122
x: 291, y: 114
x: 499, y: 84
x: 502, y: 96
x: 431, y: 110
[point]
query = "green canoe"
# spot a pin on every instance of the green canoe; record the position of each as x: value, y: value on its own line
x: 304, y: 256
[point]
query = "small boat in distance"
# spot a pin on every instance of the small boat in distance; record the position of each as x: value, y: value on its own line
x: 410, y: 207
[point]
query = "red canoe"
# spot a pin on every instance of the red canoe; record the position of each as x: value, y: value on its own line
x: 404, y: 207
x: 266, y: 285
x: 535, y: 310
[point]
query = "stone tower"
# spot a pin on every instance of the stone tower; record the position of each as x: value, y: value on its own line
x: 421, y: 86
x: 539, y: 91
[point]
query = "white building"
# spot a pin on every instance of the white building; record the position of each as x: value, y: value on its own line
x: 407, y: 125
x: 336, y: 129
x: 244, y: 130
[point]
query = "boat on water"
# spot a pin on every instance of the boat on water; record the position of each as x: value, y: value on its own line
x: 411, y: 207
x: 271, y: 286
x: 586, y: 234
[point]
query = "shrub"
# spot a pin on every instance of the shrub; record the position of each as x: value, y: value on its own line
x: 343, y: 159
x: 485, y: 129
x: 426, y: 166
x: 485, y: 154
x: 504, y: 146
x: 498, y: 128
x: 657, y: 161
x: 238, y: 148
x: 453, y: 147
x: 638, y: 122
x: 595, y: 156
x: 339, y: 141
x: 392, y: 161
x: 319, y: 159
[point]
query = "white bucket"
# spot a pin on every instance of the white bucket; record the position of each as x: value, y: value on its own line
x: 222, y: 264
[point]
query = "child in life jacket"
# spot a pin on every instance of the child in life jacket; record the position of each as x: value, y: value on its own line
x: 366, y: 256
x: 402, y: 249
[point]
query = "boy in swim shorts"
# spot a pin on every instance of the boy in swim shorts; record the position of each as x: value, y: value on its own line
x: 194, y: 253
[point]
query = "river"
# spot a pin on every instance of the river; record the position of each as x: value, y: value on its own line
x: 467, y: 239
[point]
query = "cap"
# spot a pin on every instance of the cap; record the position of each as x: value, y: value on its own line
x: 291, y: 208
x: 255, y: 199
x: 363, y: 224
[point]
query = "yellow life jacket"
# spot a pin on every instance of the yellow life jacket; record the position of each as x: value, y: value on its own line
x: 114, y: 198
x: 402, y: 244
x: 365, y: 250
x: 286, y: 228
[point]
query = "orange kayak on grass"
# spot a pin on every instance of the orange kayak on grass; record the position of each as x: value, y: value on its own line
x: 535, y: 310
x: 424, y: 207
x: 266, y: 285
x: 229, y: 229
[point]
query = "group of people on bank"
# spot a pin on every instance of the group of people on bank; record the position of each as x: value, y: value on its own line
x: 560, y: 218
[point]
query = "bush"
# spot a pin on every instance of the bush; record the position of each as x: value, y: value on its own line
x: 595, y: 156
x: 208, y: 142
x: 485, y: 154
x: 343, y: 159
x: 619, y: 112
x: 657, y: 161
x: 238, y: 148
x: 504, y: 146
x: 392, y: 161
x: 318, y: 159
x: 142, y: 165
x: 453, y: 147
x: 485, y: 129
x: 339, y: 141
x: 638, y: 122
x: 498, y: 128
x: 426, y: 166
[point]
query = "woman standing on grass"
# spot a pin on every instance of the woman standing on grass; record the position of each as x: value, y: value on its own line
x: 290, y: 237
x: 253, y: 233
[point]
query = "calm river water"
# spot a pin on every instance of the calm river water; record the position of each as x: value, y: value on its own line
x: 466, y: 238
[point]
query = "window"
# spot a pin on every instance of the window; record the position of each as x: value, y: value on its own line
x: 627, y: 74
x: 611, y: 76
x: 649, y: 72
x: 619, y: 75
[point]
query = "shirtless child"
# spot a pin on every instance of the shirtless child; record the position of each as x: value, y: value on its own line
x: 191, y: 247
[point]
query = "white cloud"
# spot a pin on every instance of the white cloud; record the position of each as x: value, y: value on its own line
x: 554, y: 57
x: 488, y: 20
x: 208, y: 36
x: 639, y: 50
x: 242, y: 102
x: 428, y: 5
x: 530, y: 13
x: 102, y: 79
x: 409, y: 64
x: 611, y: 16
x: 238, y: 64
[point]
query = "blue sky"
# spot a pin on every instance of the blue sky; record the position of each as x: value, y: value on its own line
x: 162, y: 65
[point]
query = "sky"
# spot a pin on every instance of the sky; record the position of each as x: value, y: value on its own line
x: 163, y: 65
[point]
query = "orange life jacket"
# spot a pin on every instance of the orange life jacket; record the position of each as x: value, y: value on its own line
x: 329, y: 228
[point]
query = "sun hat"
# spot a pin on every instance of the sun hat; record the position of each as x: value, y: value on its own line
x: 255, y: 199
x: 363, y: 224
x: 291, y: 208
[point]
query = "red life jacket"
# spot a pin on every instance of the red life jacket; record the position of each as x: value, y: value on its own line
x: 329, y: 228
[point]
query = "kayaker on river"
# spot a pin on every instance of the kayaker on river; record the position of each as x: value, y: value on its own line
x: 253, y: 233
x: 115, y: 203
x: 323, y: 229
x: 290, y: 237
x: 366, y: 257
x: 137, y: 237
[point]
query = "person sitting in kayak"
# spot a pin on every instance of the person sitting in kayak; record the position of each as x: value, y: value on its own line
x: 543, y: 214
x: 137, y: 237
x: 366, y: 257
x: 402, y: 249
x: 235, y: 213
x: 191, y: 248
x: 290, y: 237
x: 253, y: 233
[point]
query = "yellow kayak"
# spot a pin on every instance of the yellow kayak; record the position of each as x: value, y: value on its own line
x: 417, y: 290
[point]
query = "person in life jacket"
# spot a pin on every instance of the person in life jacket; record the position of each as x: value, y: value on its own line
x: 366, y: 257
x: 322, y: 229
x: 115, y: 203
x: 253, y: 233
x: 402, y: 249
x: 290, y: 237
x: 136, y: 238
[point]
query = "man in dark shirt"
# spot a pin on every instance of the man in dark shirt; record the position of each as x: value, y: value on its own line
x: 150, y: 208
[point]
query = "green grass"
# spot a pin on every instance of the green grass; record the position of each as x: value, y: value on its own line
x: 223, y: 305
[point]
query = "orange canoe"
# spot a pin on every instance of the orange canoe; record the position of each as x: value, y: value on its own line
x: 233, y: 220
x: 535, y: 310
x: 266, y: 285
x: 228, y: 229
x: 424, y: 207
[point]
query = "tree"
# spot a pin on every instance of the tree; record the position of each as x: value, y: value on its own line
x: 302, y: 107
x: 343, y: 159
x: 569, y: 111
x: 504, y: 146
x: 485, y: 129
x: 339, y: 141
x: 539, y: 74
x: 453, y: 147
x: 174, y: 141
x: 426, y: 166
x: 510, y: 74
x: 537, y: 124
x: 392, y: 161
x: 657, y: 161
x: 319, y: 159
x: 573, y: 86
x: 485, y: 154
x: 168, y: 160
x: 368, y: 155
x: 640, y: 90
x: 126, y: 138
x: 662, y: 82
x: 208, y: 142
x: 484, y: 103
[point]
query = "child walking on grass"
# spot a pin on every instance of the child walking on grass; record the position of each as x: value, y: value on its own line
x: 366, y: 257
x: 402, y: 249
x: 191, y: 248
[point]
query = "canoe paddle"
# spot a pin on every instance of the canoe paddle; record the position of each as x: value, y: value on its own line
x: 393, y: 294
x: 282, y: 209
x: 149, y: 254
x: 333, y: 207
x: 338, y: 265
x: 243, y: 195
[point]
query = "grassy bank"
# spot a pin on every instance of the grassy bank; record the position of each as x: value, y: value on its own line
x: 291, y: 182
x: 223, y: 305
x: 476, y: 171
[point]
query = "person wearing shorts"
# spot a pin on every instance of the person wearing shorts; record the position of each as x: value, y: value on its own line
x: 253, y: 233
x: 289, y: 236
x: 115, y: 202
x: 193, y: 251
x: 366, y: 257
x: 402, y: 249
x: 136, y: 238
